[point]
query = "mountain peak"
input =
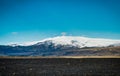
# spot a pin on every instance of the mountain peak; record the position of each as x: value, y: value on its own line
x: 82, y: 41
x: 78, y: 41
x: 63, y: 46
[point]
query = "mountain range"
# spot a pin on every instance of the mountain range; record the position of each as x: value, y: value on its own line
x: 64, y: 46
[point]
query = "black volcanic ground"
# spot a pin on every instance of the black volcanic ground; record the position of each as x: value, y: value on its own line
x: 60, y: 67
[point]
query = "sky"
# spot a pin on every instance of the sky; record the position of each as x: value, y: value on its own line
x: 32, y: 20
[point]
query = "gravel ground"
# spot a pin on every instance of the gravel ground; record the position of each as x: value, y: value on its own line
x: 60, y: 67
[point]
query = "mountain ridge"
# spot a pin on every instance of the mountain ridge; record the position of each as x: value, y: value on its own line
x: 64, y: 46
x: 74, y: 41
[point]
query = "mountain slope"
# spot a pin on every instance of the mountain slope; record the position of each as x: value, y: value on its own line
x: 74, y: 41
x: 64, y: 46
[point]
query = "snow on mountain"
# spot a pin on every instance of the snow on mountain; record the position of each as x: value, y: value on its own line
x: 81, y: 41
x: 77, y: 41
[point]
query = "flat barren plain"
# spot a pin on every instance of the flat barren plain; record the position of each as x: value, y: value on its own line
x: 60, y: 66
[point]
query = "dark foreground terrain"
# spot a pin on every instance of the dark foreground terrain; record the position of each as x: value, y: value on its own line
x: 60, y: 67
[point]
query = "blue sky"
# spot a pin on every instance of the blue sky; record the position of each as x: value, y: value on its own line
x: 31, y: 20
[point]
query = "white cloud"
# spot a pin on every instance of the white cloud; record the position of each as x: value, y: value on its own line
x: 14, y: 33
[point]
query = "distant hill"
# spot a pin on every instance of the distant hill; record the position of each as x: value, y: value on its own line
x: 64, y: 46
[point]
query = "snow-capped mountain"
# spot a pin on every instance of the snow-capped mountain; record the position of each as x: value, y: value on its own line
x: 74, y: 41
x: 64, y: 46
